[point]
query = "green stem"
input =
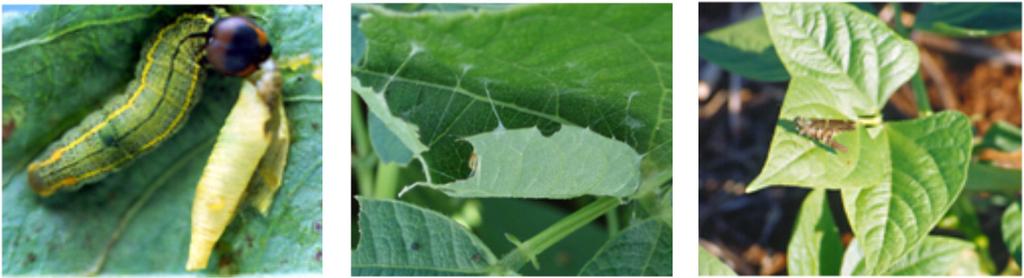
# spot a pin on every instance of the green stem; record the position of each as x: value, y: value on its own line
x: 516, y: 258
x: 387, y: 180
x: 613, y: 223
x: 362, y: 160
x: 924, y: 108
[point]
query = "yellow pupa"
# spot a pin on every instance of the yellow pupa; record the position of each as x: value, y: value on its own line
x: 254, y: 137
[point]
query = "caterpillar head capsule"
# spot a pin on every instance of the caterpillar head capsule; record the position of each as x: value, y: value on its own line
x: 237, y: 46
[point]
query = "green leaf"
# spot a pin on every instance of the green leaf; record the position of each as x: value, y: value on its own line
x: 984, y: 177
x: 844, y: 64
x: 852, y: 54
x: 457, y: 74
x: 394, y: 128
x: 968, y: 19
x: 386, y: 144
x: 402, y: 240
x: 936, y: 256
x: 1011, y: 230
x: 522, y: 163
x: 797, y: 160
x: 929, y: 166
x: 709, y: 265
x: 137, y: 220
x: 643, y: 249
x: 744, y: 48
x: 1001, y: 136
x: 815, y: 248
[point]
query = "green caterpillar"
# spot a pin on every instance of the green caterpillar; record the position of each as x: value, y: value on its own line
x: 155, y: 105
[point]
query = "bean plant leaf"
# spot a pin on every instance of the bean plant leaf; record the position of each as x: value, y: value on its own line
x: 1001, y: 136
x: 815, y: 248
x: 403, y: 240
x: 458, y: 74
x: 929, y: 164
x: 936, y: 256
x: 138, y: 220
x: 849, y: 52
x: 709, y: 265
x: 798, y: 160
x: 968, y: 19
x: 844, y: 65
x: 397, y: 128
x: 572, y: 162
x: 744, y: 48
x: 1011, y: 230
x: 644, y: 249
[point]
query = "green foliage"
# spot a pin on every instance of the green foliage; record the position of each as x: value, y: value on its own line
x: 137, y: 220
x: 522, y: 101
x: 815, y: 248
x: 522, y: 163
x: 744, y: 48
x: 968, y: 19
x: 644, y: 249
x: 897, y: 178
x: 403, y: 240
x: 458, y: 74
x: 936, y: 255
x: 1011, y: 230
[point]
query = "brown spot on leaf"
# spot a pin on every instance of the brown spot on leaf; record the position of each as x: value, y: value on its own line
x: 9, y: 127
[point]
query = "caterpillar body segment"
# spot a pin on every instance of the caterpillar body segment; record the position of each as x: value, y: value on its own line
x: 154, y: 106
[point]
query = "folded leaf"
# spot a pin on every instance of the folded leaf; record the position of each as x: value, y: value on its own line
x: 523, y: 163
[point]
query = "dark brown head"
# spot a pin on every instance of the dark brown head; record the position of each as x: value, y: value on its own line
x: 237, y: 46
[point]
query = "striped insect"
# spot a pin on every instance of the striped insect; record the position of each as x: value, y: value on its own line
x: 155, y: 105
x: 824, y: 130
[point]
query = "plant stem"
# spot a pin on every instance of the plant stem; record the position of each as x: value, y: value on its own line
x: 387, y: 180
x: 924, y: 107
x: 516, y: 258
x: 362, y: 161
x: 613, y: 223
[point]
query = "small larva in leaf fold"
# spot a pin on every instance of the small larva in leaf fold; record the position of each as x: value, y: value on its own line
x: 823, y: 130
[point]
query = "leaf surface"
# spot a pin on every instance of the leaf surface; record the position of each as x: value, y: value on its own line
x: 815, y: 248
x: 643, y: 249
x: 744, y: 48
x: 572, y: 162
x: 968, y: 19
x: 458, y: 74
x: 929, y: 162
x: 936, y: 256
x: 403, y: 240
x: 1011, y: 230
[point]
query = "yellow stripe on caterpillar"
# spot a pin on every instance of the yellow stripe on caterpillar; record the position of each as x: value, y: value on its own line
x: 131, y: 124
